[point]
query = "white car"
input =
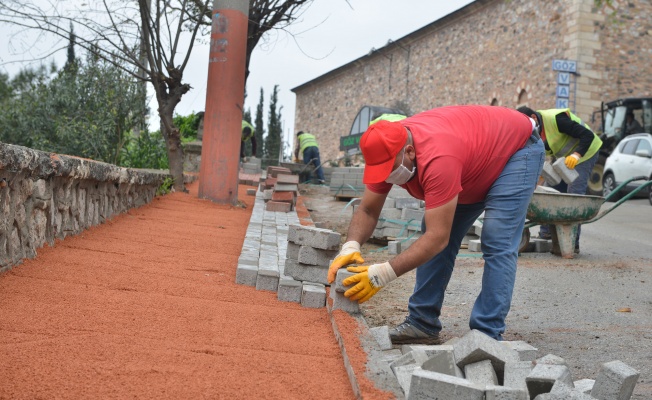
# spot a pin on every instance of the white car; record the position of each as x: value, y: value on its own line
x: 632, y: 158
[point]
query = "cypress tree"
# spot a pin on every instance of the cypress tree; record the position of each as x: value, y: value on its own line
x: 274, y: 128
x: 260, y: 127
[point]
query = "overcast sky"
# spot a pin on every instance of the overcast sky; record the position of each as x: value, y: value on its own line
x: 329, y: 34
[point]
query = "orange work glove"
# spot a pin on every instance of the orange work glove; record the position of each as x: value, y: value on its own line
x: 368, y: 281
x: 571, y: 161
x: 349, y: 254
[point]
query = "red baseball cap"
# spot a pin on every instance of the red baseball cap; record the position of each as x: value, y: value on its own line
x: 380, y: 145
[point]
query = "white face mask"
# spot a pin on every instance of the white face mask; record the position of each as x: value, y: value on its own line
x: 401, y: 175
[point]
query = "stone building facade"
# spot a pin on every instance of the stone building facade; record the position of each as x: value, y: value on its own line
x: 497, y: 52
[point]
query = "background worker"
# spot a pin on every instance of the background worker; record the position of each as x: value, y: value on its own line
x: 307, y: 145
x: 565, y: 135
x: 248, y: 135
x: 462, y: 160
x: 631, y: 124
x: 388, y: 117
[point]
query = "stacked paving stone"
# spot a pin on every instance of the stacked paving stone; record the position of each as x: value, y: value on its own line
x: 280, y: 255
x: 253, y: 166
x: 341, y: 302
x: 479, y: 367
x: 250, y: 172
x: 280, y: 189
x: 309, y: 252
x: 399, y: 223
x: 347, y: 182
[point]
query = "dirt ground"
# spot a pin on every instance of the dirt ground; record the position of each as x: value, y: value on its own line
x: 590, y: 310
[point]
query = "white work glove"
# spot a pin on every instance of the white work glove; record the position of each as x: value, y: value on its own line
x: 368, y: 280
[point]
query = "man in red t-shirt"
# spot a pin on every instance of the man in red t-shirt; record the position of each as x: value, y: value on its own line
x: 462, y: 160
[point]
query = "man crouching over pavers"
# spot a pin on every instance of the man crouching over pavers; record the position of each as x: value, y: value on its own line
x: 462, y: 160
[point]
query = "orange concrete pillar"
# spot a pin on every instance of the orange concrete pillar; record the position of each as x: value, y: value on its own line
x: 220, y: 154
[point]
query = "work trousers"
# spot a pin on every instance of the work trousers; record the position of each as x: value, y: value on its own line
x: 504, y: 207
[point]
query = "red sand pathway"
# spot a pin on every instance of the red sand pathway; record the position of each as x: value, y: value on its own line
x: 145, y: 306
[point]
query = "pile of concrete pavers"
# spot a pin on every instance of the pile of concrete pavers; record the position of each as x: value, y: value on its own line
x: 280, y: 189
x: 283, y: 256
x: 252, y: 166
x: 472, y: 241
x: 477, y: 367
x: 346, y: 182
x: 399, y: 223
x: 535, y: 245
x: 250, y: 172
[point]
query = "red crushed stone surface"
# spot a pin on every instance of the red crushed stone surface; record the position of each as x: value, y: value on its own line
x: 350, y: 331
x: 146, y: 306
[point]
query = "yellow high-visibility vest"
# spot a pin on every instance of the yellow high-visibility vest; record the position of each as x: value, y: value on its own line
x: 306, y: 140
x: 562, y: 145
x: 245, y: 136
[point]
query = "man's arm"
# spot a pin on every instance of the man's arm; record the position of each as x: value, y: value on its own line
x: 366, y: 216
x: 571, y: 128
x: 439, y: 222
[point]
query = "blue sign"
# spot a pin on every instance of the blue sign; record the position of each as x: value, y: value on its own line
x: 561, y: 103
x: 563, y: 78
x: 563, y: 91
x: 564, y: 65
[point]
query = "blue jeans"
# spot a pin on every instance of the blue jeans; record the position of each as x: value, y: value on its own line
x: 505, y: 207
x: 578, y: 186
x: 311, y: 154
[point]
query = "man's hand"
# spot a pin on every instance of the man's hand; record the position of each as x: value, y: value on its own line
x: 349, y: 254
x: 571, y: 161
x: 368, y: 281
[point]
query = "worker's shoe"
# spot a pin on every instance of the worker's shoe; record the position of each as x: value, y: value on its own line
x: 577, y: 249
x: 321, y: 181
x: 406, y: 333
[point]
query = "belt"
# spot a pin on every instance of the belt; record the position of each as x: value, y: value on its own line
x: 535, y: 137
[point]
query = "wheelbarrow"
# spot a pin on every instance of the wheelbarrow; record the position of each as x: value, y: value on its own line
x: 567, y: 211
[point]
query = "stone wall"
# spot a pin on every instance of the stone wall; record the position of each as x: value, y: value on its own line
x: 47, y: 196
x: 496, y: 52
x: 192, y: 156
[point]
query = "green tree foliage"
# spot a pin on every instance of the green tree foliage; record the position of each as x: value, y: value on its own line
x: 273, y: 140
x: 146, y: 150
x: 84, y: 110
x: 259, y: 126
x: 6, y: 91
x: 188, y: 126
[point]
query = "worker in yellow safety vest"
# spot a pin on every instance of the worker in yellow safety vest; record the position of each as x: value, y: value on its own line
x: 565, y: 135
x: 307, y: 145
x: 388, y: 117
x: 247, y: 135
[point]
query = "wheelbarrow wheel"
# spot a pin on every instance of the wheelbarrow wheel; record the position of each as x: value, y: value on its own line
x: 525, y: 241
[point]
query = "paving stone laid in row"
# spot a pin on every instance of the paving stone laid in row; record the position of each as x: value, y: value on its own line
x: 476, y: 366
x: 281, y: 255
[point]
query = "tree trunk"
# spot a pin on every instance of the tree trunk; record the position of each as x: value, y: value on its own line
x: 175, y: 151
x: 169, y: 92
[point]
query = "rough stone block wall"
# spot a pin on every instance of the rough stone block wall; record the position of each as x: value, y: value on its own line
x: 47, y: 196
x: 491, y: 52
x: 626, y: 50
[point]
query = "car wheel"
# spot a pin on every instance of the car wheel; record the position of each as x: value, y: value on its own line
x: 649, y: 194
x: 595, y: 179
x: 608, y: 186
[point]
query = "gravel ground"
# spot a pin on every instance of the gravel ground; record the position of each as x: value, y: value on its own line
x: 590, y: 310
